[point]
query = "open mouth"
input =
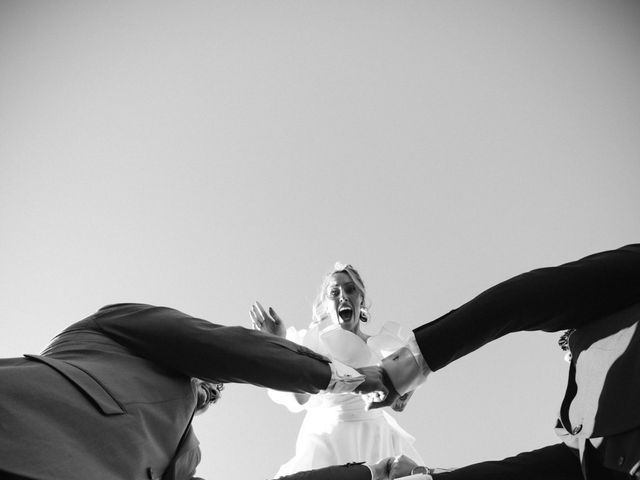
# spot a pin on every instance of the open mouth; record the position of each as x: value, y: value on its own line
x: 345, y: 313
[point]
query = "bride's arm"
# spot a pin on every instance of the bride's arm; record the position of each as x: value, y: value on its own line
x: 270, y: 322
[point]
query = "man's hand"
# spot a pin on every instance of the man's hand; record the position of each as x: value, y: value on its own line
x: 380, y: 470
x: 401, y: 467
x: 391, y: 468
x: 401, y: 402
x: 376, y: 388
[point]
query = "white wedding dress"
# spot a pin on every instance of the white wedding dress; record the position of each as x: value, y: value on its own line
x: 337, y: 429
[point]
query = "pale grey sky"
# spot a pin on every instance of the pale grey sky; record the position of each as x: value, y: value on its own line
x: 206, y: 154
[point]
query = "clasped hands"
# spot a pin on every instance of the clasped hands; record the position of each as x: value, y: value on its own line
x: 378, y: 390
x: 392, y: 468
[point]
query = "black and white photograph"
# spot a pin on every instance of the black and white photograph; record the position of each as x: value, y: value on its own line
x: 320, y: 240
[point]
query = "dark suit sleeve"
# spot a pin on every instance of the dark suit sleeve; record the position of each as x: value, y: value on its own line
x: 549, y: 299
x: 343, y: 472
x: 217, y: 353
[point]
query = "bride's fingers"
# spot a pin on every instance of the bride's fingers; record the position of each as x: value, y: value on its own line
x: 257, y: 323
x: 262, y: 311
x: 258, y: 312
x: 275, y: 316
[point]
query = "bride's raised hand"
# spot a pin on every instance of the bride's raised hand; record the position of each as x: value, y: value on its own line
x: 267, y: 322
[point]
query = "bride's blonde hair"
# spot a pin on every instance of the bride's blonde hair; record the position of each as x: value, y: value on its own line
x: 319, y: 310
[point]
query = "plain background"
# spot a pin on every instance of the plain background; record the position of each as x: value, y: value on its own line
x: 206, y: 154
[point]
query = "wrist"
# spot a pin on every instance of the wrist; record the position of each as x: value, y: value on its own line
x: 422, y: 470
x: 378, y: 471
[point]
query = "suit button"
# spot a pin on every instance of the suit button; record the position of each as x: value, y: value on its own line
x: 620, y: 461
x: 577, y: 430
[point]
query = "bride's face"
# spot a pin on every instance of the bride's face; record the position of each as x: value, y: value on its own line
x: 343, y: 300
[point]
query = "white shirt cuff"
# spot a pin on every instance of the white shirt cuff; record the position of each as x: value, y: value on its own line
x: 406, y: 367
x: 344, y: 379
x: 422, y: 363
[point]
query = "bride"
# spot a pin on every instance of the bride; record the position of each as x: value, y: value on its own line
x: 337, y: 428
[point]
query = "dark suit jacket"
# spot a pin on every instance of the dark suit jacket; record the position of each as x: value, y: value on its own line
x: 112, y: 399
x: 599, y: 297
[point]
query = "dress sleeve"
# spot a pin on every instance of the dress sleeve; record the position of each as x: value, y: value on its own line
x: 392, y: 336
x: 211, y: 352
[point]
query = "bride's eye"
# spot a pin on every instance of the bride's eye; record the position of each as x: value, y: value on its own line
x: 350, y: 289
x: 334, y: 292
